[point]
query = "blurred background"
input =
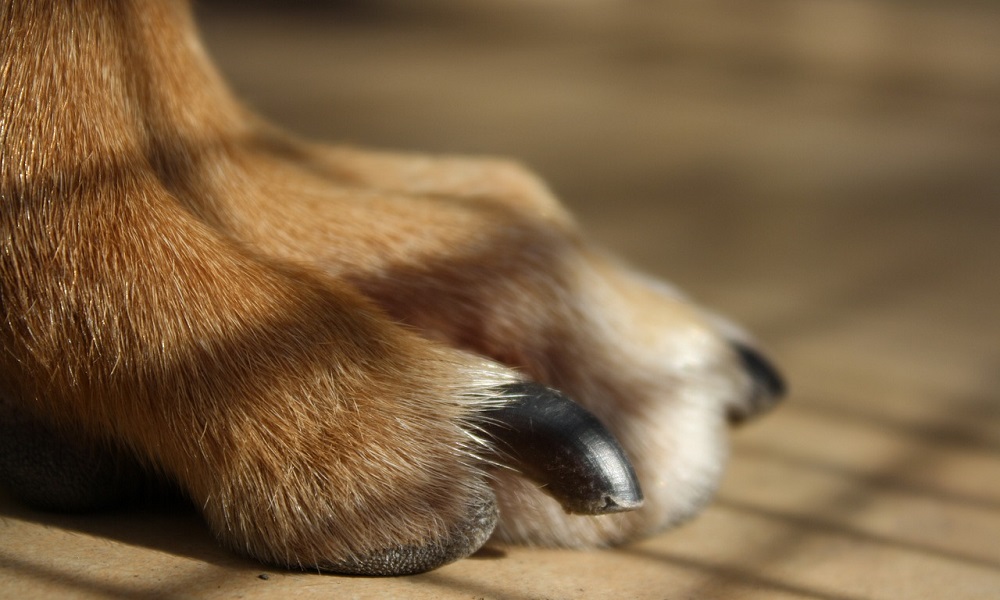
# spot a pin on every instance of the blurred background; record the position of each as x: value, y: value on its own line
x: 827, y: 172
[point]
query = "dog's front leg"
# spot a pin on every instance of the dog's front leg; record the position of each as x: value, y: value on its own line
x: 309, y: 429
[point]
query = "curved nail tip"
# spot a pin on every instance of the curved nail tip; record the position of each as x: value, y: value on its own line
x: 609, y: 505
x: 762, y: 370
x: 564, y: 448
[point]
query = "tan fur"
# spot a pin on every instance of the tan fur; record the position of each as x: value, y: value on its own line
x: 294, y: 332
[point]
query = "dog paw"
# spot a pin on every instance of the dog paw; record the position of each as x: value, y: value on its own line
x: 393, y: 477
x: 665, y: 376
x: 378, y: 469
x: 537, y: 433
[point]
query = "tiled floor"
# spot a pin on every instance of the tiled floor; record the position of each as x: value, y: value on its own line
x: 826, y: 172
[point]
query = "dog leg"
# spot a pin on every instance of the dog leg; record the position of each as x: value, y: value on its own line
x: 309, y: 430
x: 224, y: 304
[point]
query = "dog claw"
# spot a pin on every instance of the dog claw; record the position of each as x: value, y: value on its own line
x: 764, y: 374
x: 768, y: 384
x: 561, y: 446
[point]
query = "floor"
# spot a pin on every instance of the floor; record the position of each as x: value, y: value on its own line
x: 827, y: 173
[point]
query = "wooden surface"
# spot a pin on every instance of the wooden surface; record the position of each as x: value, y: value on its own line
x: 828, y: 173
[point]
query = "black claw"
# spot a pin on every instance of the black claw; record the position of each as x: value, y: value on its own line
x: 558, y: 444
x: 763, y: 372
x: 768, y: 385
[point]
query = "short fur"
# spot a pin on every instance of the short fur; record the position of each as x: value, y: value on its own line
x: 301, y: 336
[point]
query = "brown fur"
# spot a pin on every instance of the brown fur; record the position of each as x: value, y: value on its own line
x: 291, y: 332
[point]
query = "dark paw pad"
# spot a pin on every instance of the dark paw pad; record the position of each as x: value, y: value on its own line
x: 464, y: 539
